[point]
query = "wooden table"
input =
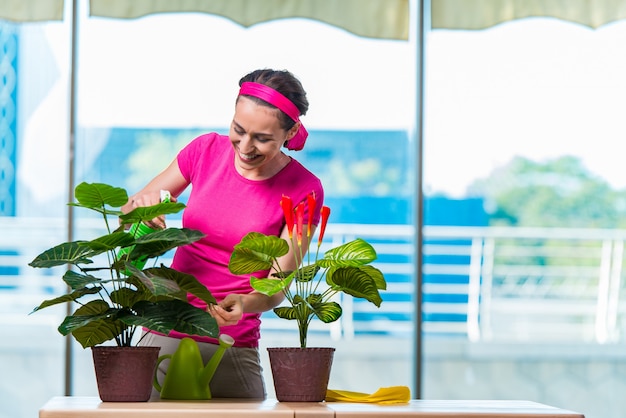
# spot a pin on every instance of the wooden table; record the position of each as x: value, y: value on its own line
x: 92, y: 407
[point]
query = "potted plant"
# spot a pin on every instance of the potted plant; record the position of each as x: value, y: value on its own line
x: 309, y: 292
x: 116, y: 298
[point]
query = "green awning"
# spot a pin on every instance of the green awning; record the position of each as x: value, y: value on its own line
x: 482, y: 14
x: 31, y: 10
x: 386, y: 19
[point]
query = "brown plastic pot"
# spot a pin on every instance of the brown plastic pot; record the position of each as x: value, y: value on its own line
x: 124, y: 374
x: 301, y: 374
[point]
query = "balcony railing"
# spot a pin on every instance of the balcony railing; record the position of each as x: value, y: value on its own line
x: 532, y: 283
x: 479, y: 283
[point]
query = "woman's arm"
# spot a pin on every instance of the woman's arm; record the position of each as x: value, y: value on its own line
x: 170, y: 179
x: 230, y: 310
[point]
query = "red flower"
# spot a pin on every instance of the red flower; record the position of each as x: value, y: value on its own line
x: 325, y: 212
x: 287, y: 205
x: 310, y: 199
x: 299, y: 221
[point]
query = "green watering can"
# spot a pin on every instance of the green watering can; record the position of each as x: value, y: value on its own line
x: 187, y: 377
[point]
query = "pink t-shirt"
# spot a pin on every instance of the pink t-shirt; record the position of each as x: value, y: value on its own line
x: 226, y: 206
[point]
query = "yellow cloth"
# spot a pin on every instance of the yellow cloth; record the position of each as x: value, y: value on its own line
x: 389, y: 395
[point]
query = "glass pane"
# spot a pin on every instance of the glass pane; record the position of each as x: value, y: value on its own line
x: 33, y: 193
x: 523, y: 273
x: 149, y: 86
x: 143, y: 93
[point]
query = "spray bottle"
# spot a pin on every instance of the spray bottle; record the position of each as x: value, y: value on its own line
x: 140, y: 229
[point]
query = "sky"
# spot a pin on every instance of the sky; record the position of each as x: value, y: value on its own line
x: 538, y: 88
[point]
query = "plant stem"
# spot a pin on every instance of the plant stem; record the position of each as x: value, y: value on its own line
x: 303, y: 327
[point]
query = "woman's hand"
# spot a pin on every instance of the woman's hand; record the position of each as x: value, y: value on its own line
x: 229, y: 311
x: 169, y: 179
x: 147, y: 199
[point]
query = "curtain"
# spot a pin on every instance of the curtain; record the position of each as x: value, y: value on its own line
x: 482, y: 14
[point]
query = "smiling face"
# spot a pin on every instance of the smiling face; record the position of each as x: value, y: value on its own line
x: 257, y: 138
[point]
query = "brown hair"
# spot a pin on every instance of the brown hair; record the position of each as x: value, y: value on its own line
x: 285, y: 83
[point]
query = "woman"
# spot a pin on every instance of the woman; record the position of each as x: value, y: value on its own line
x: 237, y: 183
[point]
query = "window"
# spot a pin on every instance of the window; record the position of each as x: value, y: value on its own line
x: 146, y: 87
x: 520, y: 122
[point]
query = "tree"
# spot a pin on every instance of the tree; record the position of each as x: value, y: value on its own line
x: 556, y: 193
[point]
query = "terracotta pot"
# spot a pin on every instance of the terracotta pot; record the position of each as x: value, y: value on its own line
x: 301, y: 374
x: 124, y: 374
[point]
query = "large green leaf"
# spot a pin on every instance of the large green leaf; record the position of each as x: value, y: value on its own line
x: 270, y: 287
x: 100, y: 330
x: 81, y: 252
x: 154, y: 282
x: 147, y: 213
x: 357, y: 282
x: 326, y: 311
x: 158, y: 243
x: 126, y: 297
x: 256, y: 252
x: 98, y: 195
x: 92, y: 324
x: 300, y: 310
x: 270, y: 245
x: 190, y: 284
x: 70, y: 297
x: 74, y: 252
x: 148, y: 291
x: 165, y: 316
x: 286, y: 312
x: 351, y: 254
x: 77, y: 280
x: 246, y: 261
x: 376, y: 275
x: 306, y: 273
x: 91, y: 310
x: 110, y: 242
x: 165, y: 281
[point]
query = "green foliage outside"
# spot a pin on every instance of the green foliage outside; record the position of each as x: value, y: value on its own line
x: 558, y: 193
x: 555, y: 193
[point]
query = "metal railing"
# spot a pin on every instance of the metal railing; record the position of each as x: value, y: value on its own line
x: 534, y: 283
x: 479, y: 283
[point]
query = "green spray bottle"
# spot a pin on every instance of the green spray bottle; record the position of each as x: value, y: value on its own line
x: 140, y: 229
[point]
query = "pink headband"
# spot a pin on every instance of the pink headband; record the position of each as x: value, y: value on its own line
x: 275, y: 98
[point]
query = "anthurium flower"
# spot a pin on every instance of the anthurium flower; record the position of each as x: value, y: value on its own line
x: 299, y: 222
x: 310, y: 199
x: 287, y: 205
x: 325, y: 212
x: 310, y: 290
